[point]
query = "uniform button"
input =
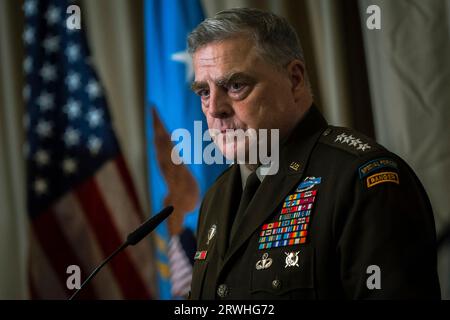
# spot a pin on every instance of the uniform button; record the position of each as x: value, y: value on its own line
x: 222, y: 291
x: 276, y: 284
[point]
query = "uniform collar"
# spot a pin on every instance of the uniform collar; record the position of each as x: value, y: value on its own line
x: 295, y: 152
x: 245, y: 172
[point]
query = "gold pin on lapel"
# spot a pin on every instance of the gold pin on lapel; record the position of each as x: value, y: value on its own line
x: 295, y: 166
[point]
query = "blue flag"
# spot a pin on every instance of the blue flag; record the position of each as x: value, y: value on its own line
x: 172, y: 105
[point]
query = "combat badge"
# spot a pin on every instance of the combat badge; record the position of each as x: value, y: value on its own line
x: 308, y: 184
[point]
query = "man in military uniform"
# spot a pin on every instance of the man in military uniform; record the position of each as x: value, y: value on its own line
x: 342, y: 218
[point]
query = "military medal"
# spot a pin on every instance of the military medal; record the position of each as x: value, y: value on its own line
x: 291, y: 259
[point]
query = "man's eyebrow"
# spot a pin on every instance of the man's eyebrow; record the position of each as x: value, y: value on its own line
x: 224, y: 80
x: 197, y: 85
x: 235, y: 76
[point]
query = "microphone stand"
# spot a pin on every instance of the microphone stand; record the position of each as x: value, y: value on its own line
x: 133, y: 238
x: 123, y: 246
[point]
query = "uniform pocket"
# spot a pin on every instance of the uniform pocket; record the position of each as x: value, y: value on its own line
x: 290, y: 275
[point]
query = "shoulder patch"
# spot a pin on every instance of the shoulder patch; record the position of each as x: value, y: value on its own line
x: 382, y: 177
x: 349, y: 140
x: 375, y: 165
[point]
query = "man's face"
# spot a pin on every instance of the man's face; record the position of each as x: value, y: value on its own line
x: 239, y: 89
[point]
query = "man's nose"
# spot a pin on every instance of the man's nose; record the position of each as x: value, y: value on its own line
x: 219, y: 104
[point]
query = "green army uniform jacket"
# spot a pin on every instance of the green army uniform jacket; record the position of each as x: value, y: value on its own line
x: 343, y: 218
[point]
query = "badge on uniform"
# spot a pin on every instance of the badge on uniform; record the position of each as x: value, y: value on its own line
x: 308, y: 184
x: 381, y: 170
x: 376, y: 164
x: 200, y: 255
x: 291, y: 259
x: 264, y: 263
x: 293, y: 220
x: 294, y: 166
x: 211, y: 233
x: 382, y: 177
x: 348, y: 139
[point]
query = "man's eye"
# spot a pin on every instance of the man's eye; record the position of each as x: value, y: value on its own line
x: 236, y: 87
x: 203, y: 93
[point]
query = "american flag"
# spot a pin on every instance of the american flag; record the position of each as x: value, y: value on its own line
x: 81, y: 200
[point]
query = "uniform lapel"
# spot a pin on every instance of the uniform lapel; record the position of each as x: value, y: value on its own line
x: 227, y: 205
x: 293, y: 161
x: 221, y: 207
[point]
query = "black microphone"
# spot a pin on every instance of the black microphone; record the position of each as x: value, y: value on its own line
x: 132, y: 239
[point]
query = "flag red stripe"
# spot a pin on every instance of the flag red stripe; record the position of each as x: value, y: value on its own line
x: 81, y: 237
x: 59, y: 252
x: 93, y: 205
x: 110, y: 184
x: 126, y: 178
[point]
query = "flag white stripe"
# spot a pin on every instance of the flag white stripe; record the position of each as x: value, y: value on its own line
x: 185, y: 281
x: 180, y: 268
x: 182, y: 287
x: 181, y: 274
x: 174, y: 257
x: 81, y: 237
x: 50, y: 286
x: 177, y: 255
x: 178, y: 264
x: 125, y: 218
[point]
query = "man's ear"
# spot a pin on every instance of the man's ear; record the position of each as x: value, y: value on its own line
x: 296, y: 72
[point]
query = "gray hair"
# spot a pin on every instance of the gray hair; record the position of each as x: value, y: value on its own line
x: 273, y: 35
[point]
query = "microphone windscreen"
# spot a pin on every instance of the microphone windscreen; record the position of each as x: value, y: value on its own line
x: 148, y: 226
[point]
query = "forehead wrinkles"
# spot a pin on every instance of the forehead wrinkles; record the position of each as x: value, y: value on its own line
x: 215, y: 60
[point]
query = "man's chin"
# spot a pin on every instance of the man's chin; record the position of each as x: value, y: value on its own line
x: 229, y: 150
x: 236, y: 148
x: 236, y: 152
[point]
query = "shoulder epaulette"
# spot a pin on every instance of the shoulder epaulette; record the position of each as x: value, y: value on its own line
x: 349, y: 140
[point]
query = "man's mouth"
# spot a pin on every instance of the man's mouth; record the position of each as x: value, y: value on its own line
x: 227, y: 130
x: 215, y: 133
